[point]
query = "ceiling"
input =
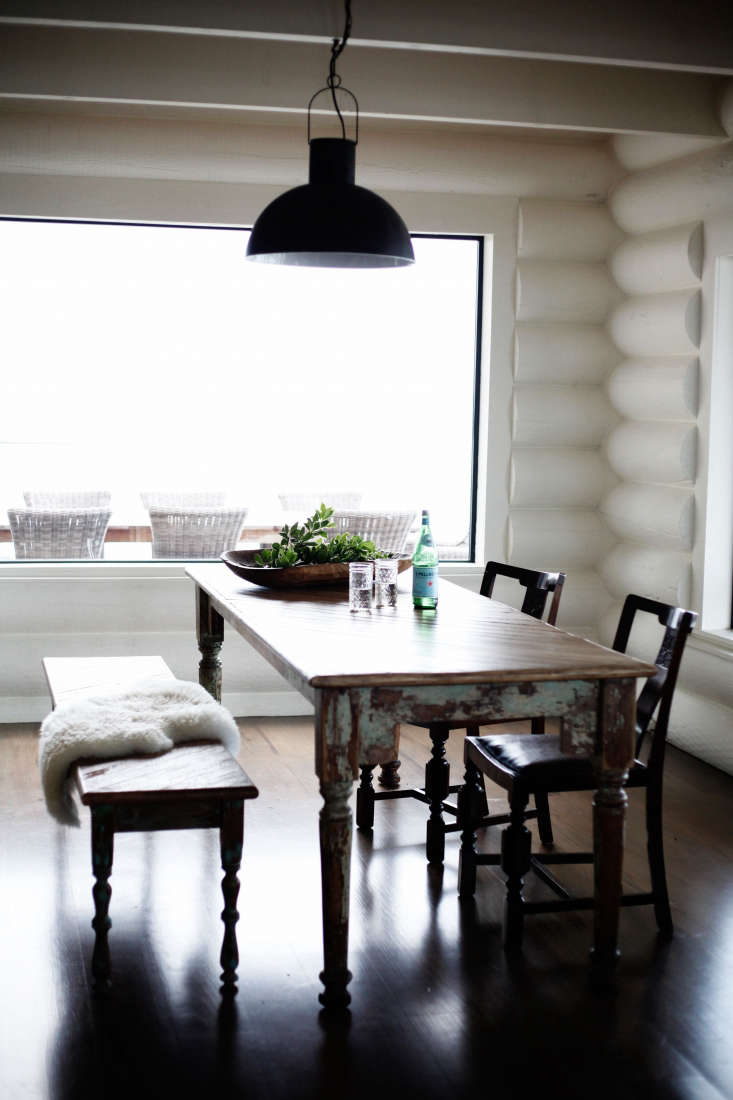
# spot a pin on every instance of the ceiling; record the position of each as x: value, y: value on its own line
x: 560, y: 67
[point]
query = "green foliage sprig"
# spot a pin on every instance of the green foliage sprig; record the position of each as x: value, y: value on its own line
x: 305, y: 545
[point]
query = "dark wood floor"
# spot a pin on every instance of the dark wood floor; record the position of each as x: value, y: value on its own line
x: 438, y: 1010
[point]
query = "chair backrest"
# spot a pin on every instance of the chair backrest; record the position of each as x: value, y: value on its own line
x: 72, y: 498
x: 538, y: 588
x: 195, y: 498
x: 308, y: 502
x: 388, y: 530
x: 659, y: 688
x: 195, y: 532
x: 58, y: 532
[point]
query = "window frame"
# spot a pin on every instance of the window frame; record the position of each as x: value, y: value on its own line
x: 465, y: 566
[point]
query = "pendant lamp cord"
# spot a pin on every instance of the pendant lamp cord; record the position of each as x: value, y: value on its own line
x: 337, y: 47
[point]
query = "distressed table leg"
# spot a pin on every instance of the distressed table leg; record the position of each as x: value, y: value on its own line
x: 102, y: 853
x: 609, y: 812
x: 388, y: 776
x: 615, y: 754
x: 210, y: 636
x: 335, y: 838
x: 231, y: 833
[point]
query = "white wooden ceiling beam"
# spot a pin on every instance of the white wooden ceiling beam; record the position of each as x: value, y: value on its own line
x: 277, y: 156
x: 697, y: 36
x: 239, y: 73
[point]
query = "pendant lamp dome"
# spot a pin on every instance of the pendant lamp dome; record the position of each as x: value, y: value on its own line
x: 331, y: 221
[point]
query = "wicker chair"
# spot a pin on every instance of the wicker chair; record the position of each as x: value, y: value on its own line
x: 41, y: 498
x: 196, y: 498
x: 59, y: 533
x: 308, y: 502
x: 388, y: 530
x: 195, y: 532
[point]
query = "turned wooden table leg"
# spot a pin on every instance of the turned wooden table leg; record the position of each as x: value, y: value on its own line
x: 616, y: 748
x: 609, y: 812
x: 335, y: 837
x: 231, y: 833
x: 102, y: 853
x: 210, y: 636
x: 388, y: 773
x: 388, y: 776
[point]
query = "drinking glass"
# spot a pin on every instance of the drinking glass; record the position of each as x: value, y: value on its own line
x: 360, y: 585
x: 385, y: 581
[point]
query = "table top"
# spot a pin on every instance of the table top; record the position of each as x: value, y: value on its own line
x: 310, y: 635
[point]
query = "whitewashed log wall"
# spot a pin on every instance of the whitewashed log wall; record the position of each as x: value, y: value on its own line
x: 561, y: 414
x: 654, y: 449
x: 663, y: 206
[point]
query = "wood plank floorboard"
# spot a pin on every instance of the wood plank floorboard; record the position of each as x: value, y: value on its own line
x: 438, y: 1009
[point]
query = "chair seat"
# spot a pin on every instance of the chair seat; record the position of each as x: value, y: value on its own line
x: 537, y: 763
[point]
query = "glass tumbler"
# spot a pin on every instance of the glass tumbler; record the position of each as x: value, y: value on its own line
x: 385, y: 581
x: 361, y: 574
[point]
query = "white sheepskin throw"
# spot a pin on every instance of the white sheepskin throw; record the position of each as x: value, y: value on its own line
x: 148, y: 716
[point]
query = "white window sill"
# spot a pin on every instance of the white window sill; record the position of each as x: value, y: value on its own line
x: 26, y: 571
x: 716, y: 642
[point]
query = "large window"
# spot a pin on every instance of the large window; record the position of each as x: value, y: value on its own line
x: 155, y: 358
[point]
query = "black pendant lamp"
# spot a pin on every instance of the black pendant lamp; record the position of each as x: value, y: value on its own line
x: 331, y: 221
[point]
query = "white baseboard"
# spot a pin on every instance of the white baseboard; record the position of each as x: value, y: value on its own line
x: 244, y: 704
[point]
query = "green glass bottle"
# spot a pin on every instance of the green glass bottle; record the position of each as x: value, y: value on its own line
x: 425, y: 568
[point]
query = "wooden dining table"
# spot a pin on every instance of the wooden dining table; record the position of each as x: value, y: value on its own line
x: 472, y: 660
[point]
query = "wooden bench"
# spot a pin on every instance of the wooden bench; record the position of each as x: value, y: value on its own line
x: 197, y: 785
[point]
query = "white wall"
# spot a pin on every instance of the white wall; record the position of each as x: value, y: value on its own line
x: 560, y: 413
x: 672, y: 510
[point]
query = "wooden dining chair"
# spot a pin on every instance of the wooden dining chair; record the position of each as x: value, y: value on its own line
x: 524, y: 766
x: 538, y: 588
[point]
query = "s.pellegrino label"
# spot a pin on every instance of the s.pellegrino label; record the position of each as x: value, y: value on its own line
x: 425, y: 580
x: 425, y: 568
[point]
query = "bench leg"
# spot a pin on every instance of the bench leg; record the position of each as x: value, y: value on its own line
x: 231, y: 833
x: 102, y: 853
